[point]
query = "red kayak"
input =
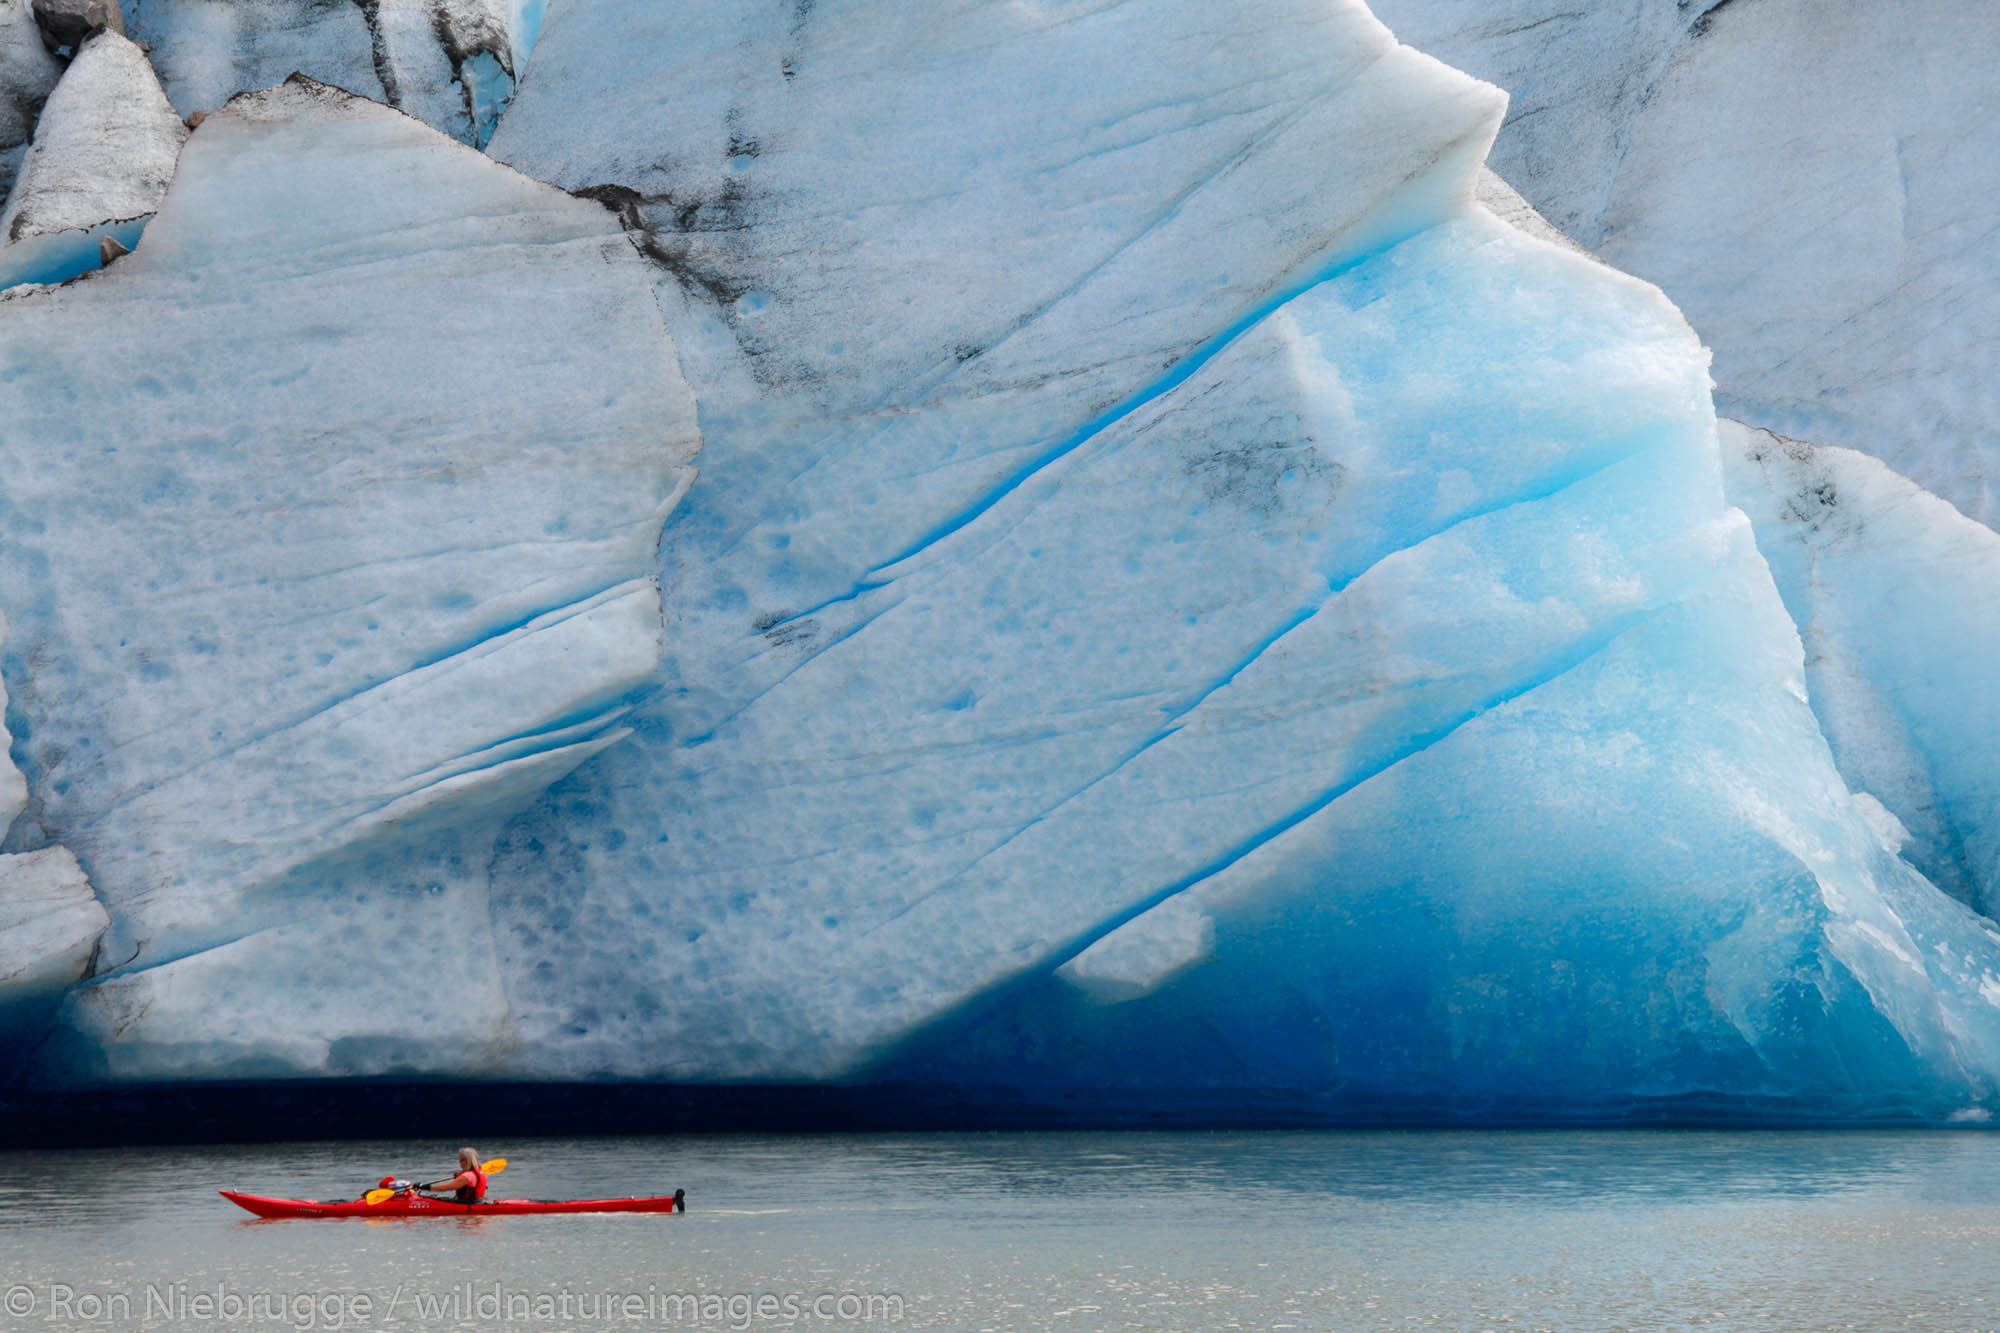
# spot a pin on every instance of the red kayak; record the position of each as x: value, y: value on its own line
x: 417, y: 1205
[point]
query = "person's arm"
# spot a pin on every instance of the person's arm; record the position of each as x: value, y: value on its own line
x: 463, y: 1180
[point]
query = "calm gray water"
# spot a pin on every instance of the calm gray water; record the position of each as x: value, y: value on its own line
x: 1345, y: 1231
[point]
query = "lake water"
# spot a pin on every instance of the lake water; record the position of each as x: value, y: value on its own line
x: 1088, y: 1231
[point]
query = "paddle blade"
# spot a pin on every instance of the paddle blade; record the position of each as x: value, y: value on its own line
x: 373, y: 1197
x: 497, y: 1164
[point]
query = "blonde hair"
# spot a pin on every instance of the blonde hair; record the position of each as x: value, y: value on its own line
x: 467, y: 1157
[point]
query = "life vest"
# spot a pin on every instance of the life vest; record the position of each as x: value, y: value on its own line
x: 474, y: 1192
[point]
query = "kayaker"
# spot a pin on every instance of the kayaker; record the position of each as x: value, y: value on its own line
x: 469, y: 1185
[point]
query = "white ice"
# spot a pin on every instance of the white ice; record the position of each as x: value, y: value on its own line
x: 1897, y: 597
x: 928, y: 737
x: 1811, y: 183
x: 1181, y: 598
x: 345, y: 548
x: 27, y: 73
x: 49, y: 922
x: 450, y: 63
x: 1438, y: 546
x: 103, y: 155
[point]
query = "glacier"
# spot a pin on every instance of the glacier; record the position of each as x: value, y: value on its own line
x: 28, y: 72
x: 1197, y: 598
x: 1897, y: 598
x: 1488, y: 632
x: 450, y: 63
x: 300, y: 599
x: 104, y: 151
x: 50, y: 923
x: 1810, y: 182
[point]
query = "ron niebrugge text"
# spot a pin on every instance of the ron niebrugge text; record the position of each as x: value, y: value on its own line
x: 486, y: 1303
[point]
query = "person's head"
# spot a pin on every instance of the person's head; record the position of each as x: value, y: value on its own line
x: 467, y: 1158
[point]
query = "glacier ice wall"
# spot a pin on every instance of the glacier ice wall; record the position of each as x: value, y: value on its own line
x: 1505, y: 202
x: 772, y: 160
x: 104, y: 152
x: 1444, y: 701
x: 27, y: 72
x: 1811, y: 182
x: 450, y: 63
x: 853, y: 423
x: 50, y: 922
x: 1897, y: 597
x: 1194, y: 598
x: 1648, y: 822
x: 934, y: 743
x: 342, y: 554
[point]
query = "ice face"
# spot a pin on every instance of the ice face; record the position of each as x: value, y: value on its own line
x: 1756, y: 948
x: 1160, y: 200
x: 103, y: 154
x: 1023, y: 742
x: 13, y: 787
x: 853, y: 421
x: 27, y: 73
x: 1897, y: 597
x: 49, y: 923
x: 1503, y: 201
x: 1180, y: 602
x: 1111, y: 678
x: 1414, y: 614
x: 380, y: 963
x: 450, y: 63
x: 345, y: 551
x: 1798, y: 178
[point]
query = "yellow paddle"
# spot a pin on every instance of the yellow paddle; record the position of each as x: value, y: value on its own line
x: 373, y: 1197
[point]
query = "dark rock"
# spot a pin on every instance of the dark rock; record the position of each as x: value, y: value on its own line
x: 69, y: 22
x: 109, y: 248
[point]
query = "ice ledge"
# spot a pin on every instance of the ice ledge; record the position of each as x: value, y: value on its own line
x: 1897, y: 598
x: 373, y: 564
x: 449, y: 63
x: 50, y: 924
x: 27, y: 74
x: 50, y: 921
x: 476, y: 735
x: 102, y: 159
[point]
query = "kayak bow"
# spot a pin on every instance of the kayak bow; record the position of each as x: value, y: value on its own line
x: 417, y: 1205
